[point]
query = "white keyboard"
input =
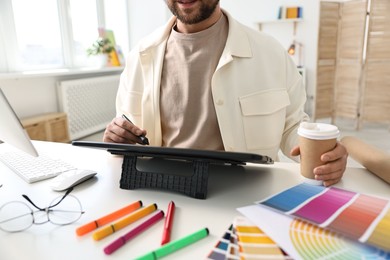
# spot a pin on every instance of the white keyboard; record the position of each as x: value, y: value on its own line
x: 33, y: 169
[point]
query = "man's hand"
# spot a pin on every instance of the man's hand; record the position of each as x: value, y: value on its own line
x: 335, y: 163
x: 119, y: 130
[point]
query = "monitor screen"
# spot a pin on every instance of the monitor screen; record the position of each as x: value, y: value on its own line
x: 11, y: 130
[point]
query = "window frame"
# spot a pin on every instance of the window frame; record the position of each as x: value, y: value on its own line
x: 134, y: 28
x: 8, y: 38
x: 8, y: 41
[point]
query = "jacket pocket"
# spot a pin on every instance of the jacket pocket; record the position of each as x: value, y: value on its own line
x: 264, y: 116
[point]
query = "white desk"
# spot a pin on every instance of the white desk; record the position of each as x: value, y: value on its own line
x: 227, y: 189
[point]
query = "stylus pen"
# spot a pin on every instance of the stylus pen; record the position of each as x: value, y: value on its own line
x: 84, y: 229
x: 168, y: 223
x: 173, y: 246
x: 123, y: 222
x: 111, y: 248
x: 144, y: 140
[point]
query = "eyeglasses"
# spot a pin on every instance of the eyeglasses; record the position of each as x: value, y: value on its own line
x: 17, y: 216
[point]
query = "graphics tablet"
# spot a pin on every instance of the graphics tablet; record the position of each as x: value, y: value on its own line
x: 177, y: 153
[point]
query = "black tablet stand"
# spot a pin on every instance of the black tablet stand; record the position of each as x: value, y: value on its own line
x: 193, y: 185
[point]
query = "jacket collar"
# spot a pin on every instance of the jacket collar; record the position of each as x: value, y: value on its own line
x: 237, y: 43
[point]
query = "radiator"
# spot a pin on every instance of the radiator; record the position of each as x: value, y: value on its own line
x: 89, y: 103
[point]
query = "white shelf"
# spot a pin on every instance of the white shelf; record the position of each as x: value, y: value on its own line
x: 279, y: 21
x: 290, y: 20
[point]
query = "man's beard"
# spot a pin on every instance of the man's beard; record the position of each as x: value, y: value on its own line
x: 204, y: 12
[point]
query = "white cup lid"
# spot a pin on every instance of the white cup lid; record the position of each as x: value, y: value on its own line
x: 318, y: 131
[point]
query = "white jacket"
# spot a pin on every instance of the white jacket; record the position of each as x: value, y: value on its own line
x: 258, y: 92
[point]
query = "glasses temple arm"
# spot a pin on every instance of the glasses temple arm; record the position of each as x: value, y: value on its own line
x: 32, y: 203
x: 63, y: 197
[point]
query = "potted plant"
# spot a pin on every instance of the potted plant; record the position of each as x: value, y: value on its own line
x: 100, y: 46
x: 103, y: 47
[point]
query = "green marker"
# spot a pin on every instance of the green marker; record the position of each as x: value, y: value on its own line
x: 173, y: 246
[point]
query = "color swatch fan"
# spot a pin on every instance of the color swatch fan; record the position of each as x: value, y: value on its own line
x: 244, y: 240
x: 303, y: 240
x: 360, y: 217
x: 254, y: 243
x: 226, y: 247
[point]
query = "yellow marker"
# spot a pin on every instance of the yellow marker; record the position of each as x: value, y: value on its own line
x: 108, y: 218
x: 108, y: 230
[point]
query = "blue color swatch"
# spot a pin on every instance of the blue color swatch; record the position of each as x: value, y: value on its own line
x: 293, y: 197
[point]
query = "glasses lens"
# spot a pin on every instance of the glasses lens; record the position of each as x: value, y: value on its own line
x: 67, y: 211
x: 15, y: 216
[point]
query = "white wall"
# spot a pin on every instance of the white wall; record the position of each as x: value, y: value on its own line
x: 146, y: 16
x: 35, y: 95
x: 249, y: 12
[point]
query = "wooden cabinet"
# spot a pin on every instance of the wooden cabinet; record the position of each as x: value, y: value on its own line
x: 48, y: 127
x: 353, y: 64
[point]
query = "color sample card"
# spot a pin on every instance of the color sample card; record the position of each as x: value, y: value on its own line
x: 226, y: 247
x: 244, y: 241
x: 254, y: 243
x: 360, y: 217
x: 304, y: 240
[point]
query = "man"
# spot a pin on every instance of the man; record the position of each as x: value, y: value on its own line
x: 206, y: 81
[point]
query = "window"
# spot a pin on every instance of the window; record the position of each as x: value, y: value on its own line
x: 37, y: 34
x: 84, y: 27
x: 52, y: 34
x: 116, y: 20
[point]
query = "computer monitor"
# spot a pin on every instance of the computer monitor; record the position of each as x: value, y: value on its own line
x: 11, y: 130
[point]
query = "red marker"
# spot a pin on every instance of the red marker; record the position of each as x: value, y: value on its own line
x: 168, y: 223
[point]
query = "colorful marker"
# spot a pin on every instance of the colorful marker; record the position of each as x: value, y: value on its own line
x: 168, y: 223
x: 108, y: 218
x: 108, y: 230
x: 173, y: 246
x: 111, y: 248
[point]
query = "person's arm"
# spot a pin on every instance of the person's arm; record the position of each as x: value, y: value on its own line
x: 120, y: 130
x: 336, y: 160
x: 374, y: 159
x: 295, y: 113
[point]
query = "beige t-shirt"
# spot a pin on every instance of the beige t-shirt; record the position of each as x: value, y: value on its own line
x: 188, y: 116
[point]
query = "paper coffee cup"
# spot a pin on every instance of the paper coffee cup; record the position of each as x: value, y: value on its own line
x: 315, y: 139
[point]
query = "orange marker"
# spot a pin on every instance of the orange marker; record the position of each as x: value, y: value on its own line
x: 108, y: 230
x: 108, y: 218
